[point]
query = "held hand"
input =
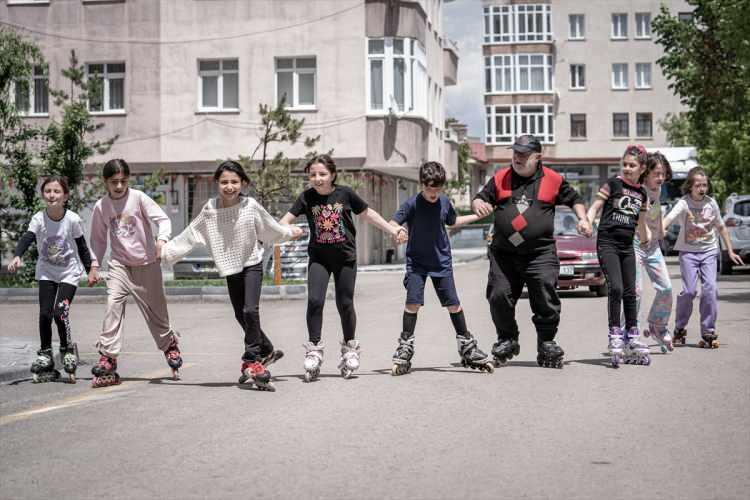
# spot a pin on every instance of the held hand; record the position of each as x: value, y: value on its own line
x: 159, y: 245
x: 297, y: 232
x: 481, y: 208
x: 93, y: 276
x: 736, y: 258
x: 584, y: 228
x: 14, y: 264
x: 401, y: 236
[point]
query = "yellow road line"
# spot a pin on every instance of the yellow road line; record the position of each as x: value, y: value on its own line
x: 92, y: 395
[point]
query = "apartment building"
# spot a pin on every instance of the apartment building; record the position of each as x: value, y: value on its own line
x: 183, y: 79
x: 582, y: 76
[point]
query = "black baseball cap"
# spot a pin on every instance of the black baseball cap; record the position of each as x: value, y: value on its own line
x: 526, y: 144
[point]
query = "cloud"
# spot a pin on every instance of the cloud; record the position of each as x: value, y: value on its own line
x: 463, y: 23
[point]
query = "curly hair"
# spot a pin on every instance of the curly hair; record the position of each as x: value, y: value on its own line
x: 432, y: 174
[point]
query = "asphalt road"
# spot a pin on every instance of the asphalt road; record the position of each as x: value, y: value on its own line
x: 675, y: 429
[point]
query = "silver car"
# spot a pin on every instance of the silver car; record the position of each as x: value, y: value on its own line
x: 737, y: 220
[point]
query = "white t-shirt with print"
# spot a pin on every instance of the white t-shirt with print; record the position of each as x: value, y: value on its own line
x: 698, y: 223
x: 58, y: 254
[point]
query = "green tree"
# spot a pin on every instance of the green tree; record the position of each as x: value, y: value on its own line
x: 707, y: 61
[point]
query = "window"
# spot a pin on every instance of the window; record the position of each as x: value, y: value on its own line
x: 518, y: 73
x: 112, y: 95
x: 397, y: 73
x: 643, y: 75
x: 31, y: 97
x: 577, y: 126
x: 643, y: 127
x: 619, y: 26
x: 619, y: 76
x: 685, y: 17
x: 577, y: 76
x: 643, y: 25
x: 577, y: 29
x: 620, y: 125
x: 219, y: 85
x: 506, y: 122
x: 295, y: 82
x: 517, y: 23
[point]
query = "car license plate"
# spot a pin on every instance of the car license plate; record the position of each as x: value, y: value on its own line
x: 566, y: 271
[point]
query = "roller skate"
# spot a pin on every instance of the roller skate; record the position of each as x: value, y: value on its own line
x: 616, y: 345
x: 550, y: 355
x: 504, y: 350
x: 404, y: 353
x: 349, y: 362
x: 471, y: 356
x: 636, y: 352
x: 43, y: 367
x: 709, y: 340
x: 662, y: 337
x: 105, y: 372
x: 313, y: 360
x: 254, y: 372
x: 680, y: 336
x: 174, y: 359
x: 69, y: 355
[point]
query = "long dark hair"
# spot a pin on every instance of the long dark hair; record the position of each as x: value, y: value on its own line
x: 231, y: 166
x: 324, y: 160
x: 653, y: 161
x: 115, y: 166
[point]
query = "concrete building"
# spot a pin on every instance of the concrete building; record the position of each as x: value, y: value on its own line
x: 183, y: 80
x: 582, y: 76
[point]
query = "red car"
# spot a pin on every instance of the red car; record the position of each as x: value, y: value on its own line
x: 579, y: 264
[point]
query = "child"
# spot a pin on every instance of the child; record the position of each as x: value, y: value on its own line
x: 125, y: 215
x: 428, y: 253
x: 63, y: 255
x: 699, y: 216
x: 650, y: 257
x: 624, y: 203
x: 332, y: 250
x: 233, y: 226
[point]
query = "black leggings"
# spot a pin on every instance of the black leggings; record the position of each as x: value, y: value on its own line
x: 54, y: 304
x: 319, y: 273
x: 617, y: 258
x: 244, y: 292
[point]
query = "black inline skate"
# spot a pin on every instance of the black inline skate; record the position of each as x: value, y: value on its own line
x: 471, y: 356
x: 504, y: 350
x: 550, y: 355
x: 43, y: 368
x: 69, y: 356
x: 404, y: 353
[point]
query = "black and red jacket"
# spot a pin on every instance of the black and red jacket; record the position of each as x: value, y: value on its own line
x: 532, y: 229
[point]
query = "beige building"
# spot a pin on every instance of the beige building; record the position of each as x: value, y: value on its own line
x: 183, y: 80
x: 582, y: 76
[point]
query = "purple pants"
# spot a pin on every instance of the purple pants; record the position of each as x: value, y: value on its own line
x: 692, y: 266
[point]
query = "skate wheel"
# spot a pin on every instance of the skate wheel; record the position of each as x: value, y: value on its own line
x: 72, y: 378
x: 175, y: 374
x: 715, y: 344
x: 488, y: 367
x: 663, y: 349
x: 308, y: 377
x: 346, y: 373
x: 701, y: 343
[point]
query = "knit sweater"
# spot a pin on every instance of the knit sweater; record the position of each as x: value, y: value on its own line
x: 234, y: 236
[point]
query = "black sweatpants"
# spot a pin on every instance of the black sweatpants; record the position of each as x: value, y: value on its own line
x: 54, y: 304
x: 617, y: 258
x: 244, y: 293
x: 508, y: 273
x: 319, y: 270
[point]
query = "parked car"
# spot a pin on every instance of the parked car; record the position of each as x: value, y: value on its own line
x: 737, y: 220
x: 579, y: 263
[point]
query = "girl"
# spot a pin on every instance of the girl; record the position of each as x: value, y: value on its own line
x: 650, y: 257
x: 332, y: 250
x: 63, y: 256
x: 235, y: 227
x: 624, y: 203
x: 699, y: 217
x: 125, y: 216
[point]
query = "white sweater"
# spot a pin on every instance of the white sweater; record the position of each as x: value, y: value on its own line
x: 232, y: 235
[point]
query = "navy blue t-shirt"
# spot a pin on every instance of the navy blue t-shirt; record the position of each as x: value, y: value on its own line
x: 428, y: 250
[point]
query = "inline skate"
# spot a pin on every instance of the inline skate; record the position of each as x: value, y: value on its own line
x: 69, y: 356
x: 635, y: 352
x: 174, y: 358
x: 616, y: 346
x: 550, y: 355
x: 105, y: 372
x: 471, y: 356
x: 349, y: 362
x: 43, y: 367
x: 662, y: 337
x: 253, y: 372
x: 504, y: 350
x: 313, y: 360
x: 404, y: 353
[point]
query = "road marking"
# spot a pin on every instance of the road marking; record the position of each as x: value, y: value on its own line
x: 91, y: 396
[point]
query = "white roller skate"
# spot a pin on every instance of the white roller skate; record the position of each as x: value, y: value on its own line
x: 313, y: 360
x: 636, y: 352
x: 662, y: 337
x: 349, y: 362
x: 616, y: 346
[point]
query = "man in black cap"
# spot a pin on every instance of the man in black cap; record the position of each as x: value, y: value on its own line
x: 523, y: 198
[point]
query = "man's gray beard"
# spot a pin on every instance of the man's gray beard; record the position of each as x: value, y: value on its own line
x: 526, y: 170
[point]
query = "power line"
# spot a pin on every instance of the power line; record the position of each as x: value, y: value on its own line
x: 173, y: 42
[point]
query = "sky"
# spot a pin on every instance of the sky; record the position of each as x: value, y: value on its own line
x: 463, y: 23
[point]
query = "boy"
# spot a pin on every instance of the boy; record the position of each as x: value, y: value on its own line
x: 428, y: 253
